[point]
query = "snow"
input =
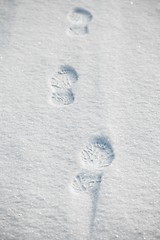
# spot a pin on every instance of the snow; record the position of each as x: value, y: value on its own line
x: 71, y: 72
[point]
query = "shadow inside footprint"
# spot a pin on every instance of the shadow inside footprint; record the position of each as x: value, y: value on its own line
x: 98, y: 153
x: 79, y: 19
x: 64, y: 78
x: 70, y: 72
x: 102, y: 142
x: 63, y: 97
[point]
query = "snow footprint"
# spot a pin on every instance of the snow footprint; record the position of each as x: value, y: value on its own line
x: 85, y: 188
x: 61, y: 85
x: 87, y: 182
x: 98, y: 153
x: 64, y: 77
x: 63, y: 97
x: 79, y: 19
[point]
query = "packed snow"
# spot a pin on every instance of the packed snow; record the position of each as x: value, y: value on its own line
x: 79, y: 120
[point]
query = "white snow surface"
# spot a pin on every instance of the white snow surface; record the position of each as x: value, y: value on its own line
x: 114, y: 48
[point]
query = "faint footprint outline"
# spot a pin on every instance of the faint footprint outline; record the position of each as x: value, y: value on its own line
x: 79, y: 19
x: 86, y: 181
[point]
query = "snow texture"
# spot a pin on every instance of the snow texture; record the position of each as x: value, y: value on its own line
x: 79, y: 120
